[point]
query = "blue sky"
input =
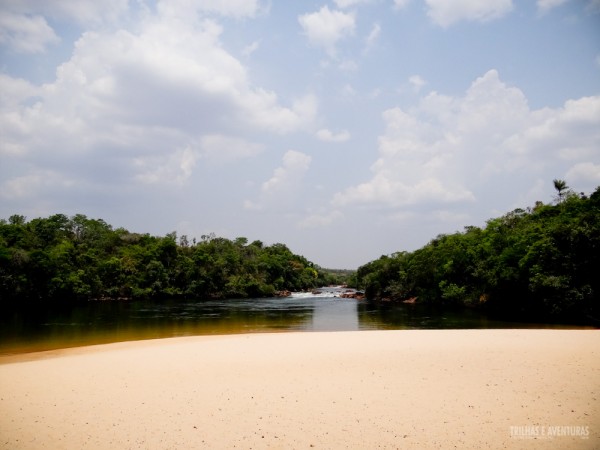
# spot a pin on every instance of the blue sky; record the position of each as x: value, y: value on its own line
x: 346, y: 129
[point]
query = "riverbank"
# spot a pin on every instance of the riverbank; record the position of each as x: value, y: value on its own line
x: 375, y: 389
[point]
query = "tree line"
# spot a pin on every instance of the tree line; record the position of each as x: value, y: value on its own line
x: 539, y: 263
x: 62, y: 258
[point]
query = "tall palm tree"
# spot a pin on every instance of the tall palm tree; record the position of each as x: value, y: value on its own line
x: 560, y: 186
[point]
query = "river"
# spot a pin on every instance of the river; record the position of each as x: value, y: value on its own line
x: 100, y: 322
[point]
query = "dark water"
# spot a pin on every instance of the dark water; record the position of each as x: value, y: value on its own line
x: 103, y: 322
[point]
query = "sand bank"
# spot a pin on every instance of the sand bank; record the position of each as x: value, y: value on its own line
x: 375, y: 389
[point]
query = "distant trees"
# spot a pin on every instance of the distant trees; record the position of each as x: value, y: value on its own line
x: 62, y: 258
x: 541, y: 263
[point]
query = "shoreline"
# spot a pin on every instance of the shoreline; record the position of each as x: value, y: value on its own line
x: 35, y: 351
x: 29, y: 351
x: 357, y: 389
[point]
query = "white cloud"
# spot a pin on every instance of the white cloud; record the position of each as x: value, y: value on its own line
x: 260, y: 108
x: 384, y: 189
x: 349, y: 3
x: 231, y: 8
x: 34, y: 184
x: 13, y: 91
x: 282, y: 187
x: 86, y: 11
x: 251, y: 48
x: 154, y: 102
x: 373, y: 36
x: 348, y: 91
x: 24, y: 27
x: 328, y: 136
x: 172, y: 168
x: 226, y: 149
x: 294, y: 165
x: 546, y: 5
x: 400, y: 4
x: 234, y: 8
x: 447, y: 148
x: 584, y: 173
x: 570, y: 133
x: 417, y: 82
x: 25, y: 34
x: 325, y: 27
x: 320, y: 220
x: 449, y: 12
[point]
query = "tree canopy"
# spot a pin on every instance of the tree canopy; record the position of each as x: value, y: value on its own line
x: 74, y: 258
x: 540, y: 263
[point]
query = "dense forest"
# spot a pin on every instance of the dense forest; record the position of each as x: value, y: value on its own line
x: 540, y: 263
x: 62, y: 259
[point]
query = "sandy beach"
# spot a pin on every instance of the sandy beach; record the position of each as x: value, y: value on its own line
x: 358, y: 390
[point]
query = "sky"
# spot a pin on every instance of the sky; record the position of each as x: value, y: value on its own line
x: 345, y: 129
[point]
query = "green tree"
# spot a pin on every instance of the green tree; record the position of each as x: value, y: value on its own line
x: 561, y: 187
x: 537, y: 263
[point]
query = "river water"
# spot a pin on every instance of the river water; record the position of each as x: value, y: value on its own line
x: 115, y: 321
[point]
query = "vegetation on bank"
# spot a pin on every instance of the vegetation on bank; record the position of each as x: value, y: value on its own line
x: 63, y: 259
x: 541, y: 263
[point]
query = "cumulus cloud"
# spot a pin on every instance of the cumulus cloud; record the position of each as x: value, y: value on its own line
x: 387, y: 190
x: 284, y: 183
x: 447, y: 148
x: 176, y: 75
x: 328, y: 136
x: 13, y: 91
x: 294, y: 165
x: 325, y: 27
x: 151, y: 103
x: 172, y: 168
x: 448, y: 12
x: 25, y: 34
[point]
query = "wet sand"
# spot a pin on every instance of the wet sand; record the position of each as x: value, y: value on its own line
x: 367, y: 389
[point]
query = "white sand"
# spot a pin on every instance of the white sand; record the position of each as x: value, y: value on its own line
x: 363, y: 390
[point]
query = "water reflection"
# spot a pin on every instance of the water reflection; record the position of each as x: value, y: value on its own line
x: 103, y: 322
x: 338, y: 315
